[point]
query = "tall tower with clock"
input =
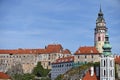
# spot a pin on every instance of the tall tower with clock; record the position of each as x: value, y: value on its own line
x: 100, y: 31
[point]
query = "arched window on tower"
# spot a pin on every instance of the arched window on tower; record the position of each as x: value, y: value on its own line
x: 99, y: 38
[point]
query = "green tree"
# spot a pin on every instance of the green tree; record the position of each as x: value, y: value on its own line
x: 17, y: 77
x: 28, y: 77
x: 39, y: 71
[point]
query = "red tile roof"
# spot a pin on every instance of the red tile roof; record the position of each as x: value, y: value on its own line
x: 57, y: 48
x: 87, y: 50
x: 66, y: 51
x: 64, y: 59
x: 117, y: 60
x: 52, y: 48
x: 4, y: 76
x: 89, y: 77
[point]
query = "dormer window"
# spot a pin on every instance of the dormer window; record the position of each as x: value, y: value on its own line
x: 91, y: 51
x: 60, y: 50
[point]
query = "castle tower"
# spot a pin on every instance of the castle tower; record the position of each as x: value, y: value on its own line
x: 100, y: 30
x: 107, y: 71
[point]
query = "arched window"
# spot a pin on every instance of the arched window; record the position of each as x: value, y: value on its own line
x: 78, y: 57
x: 49, y: 63
x: 104, y: 73
x: 99, y: 38
x: 104, y: 63
x: 85, y: 56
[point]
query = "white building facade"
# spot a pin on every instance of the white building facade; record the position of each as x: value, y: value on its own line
x: 107, y: 64
x: 61, y: 66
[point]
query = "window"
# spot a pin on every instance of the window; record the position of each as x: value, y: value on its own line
x: 104, y: 73
x: 92, y: 56
x: 104, y: 62
x: 78, y: 57
x: 106, y: 38
x: 98, y: 38
x: 49, y: 63
x: 85, y: 56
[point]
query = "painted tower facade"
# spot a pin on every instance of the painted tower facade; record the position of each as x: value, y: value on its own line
x: 107, y: 71
x: 100, y: 30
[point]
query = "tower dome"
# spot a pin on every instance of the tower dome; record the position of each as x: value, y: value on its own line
x: 107, y: 47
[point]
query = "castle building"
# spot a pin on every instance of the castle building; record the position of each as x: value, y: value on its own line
x: 51, y: 53
x: 28, y: 58
x: 11, y: 58
x: 107, y: 71
x: 100, y: 30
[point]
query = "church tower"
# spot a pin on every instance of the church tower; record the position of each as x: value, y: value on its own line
x: 100, y: 30
x: 107, y: 71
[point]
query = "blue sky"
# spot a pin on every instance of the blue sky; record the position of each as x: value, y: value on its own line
x: 36, y: 23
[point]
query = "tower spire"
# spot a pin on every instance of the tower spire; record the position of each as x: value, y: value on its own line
x: 100, y: 8
x: 100, y: 31
x: 100, y: 16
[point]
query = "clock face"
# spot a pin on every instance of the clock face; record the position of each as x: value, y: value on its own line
x: 98, y: 24
x: 103, y: 24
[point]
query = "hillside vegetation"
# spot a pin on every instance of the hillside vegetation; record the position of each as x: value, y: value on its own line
x: 77, y: 72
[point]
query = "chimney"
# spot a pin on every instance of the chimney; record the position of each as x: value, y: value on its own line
x: 92, y: 71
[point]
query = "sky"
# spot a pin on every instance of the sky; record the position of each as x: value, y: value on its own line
x: 71, y: 23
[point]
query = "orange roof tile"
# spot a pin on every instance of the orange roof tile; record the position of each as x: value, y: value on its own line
x: 51, y: 48
x: 64, y: 59
x: 89, y: 77
x: 87, y: 50
x: 4, y: 76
